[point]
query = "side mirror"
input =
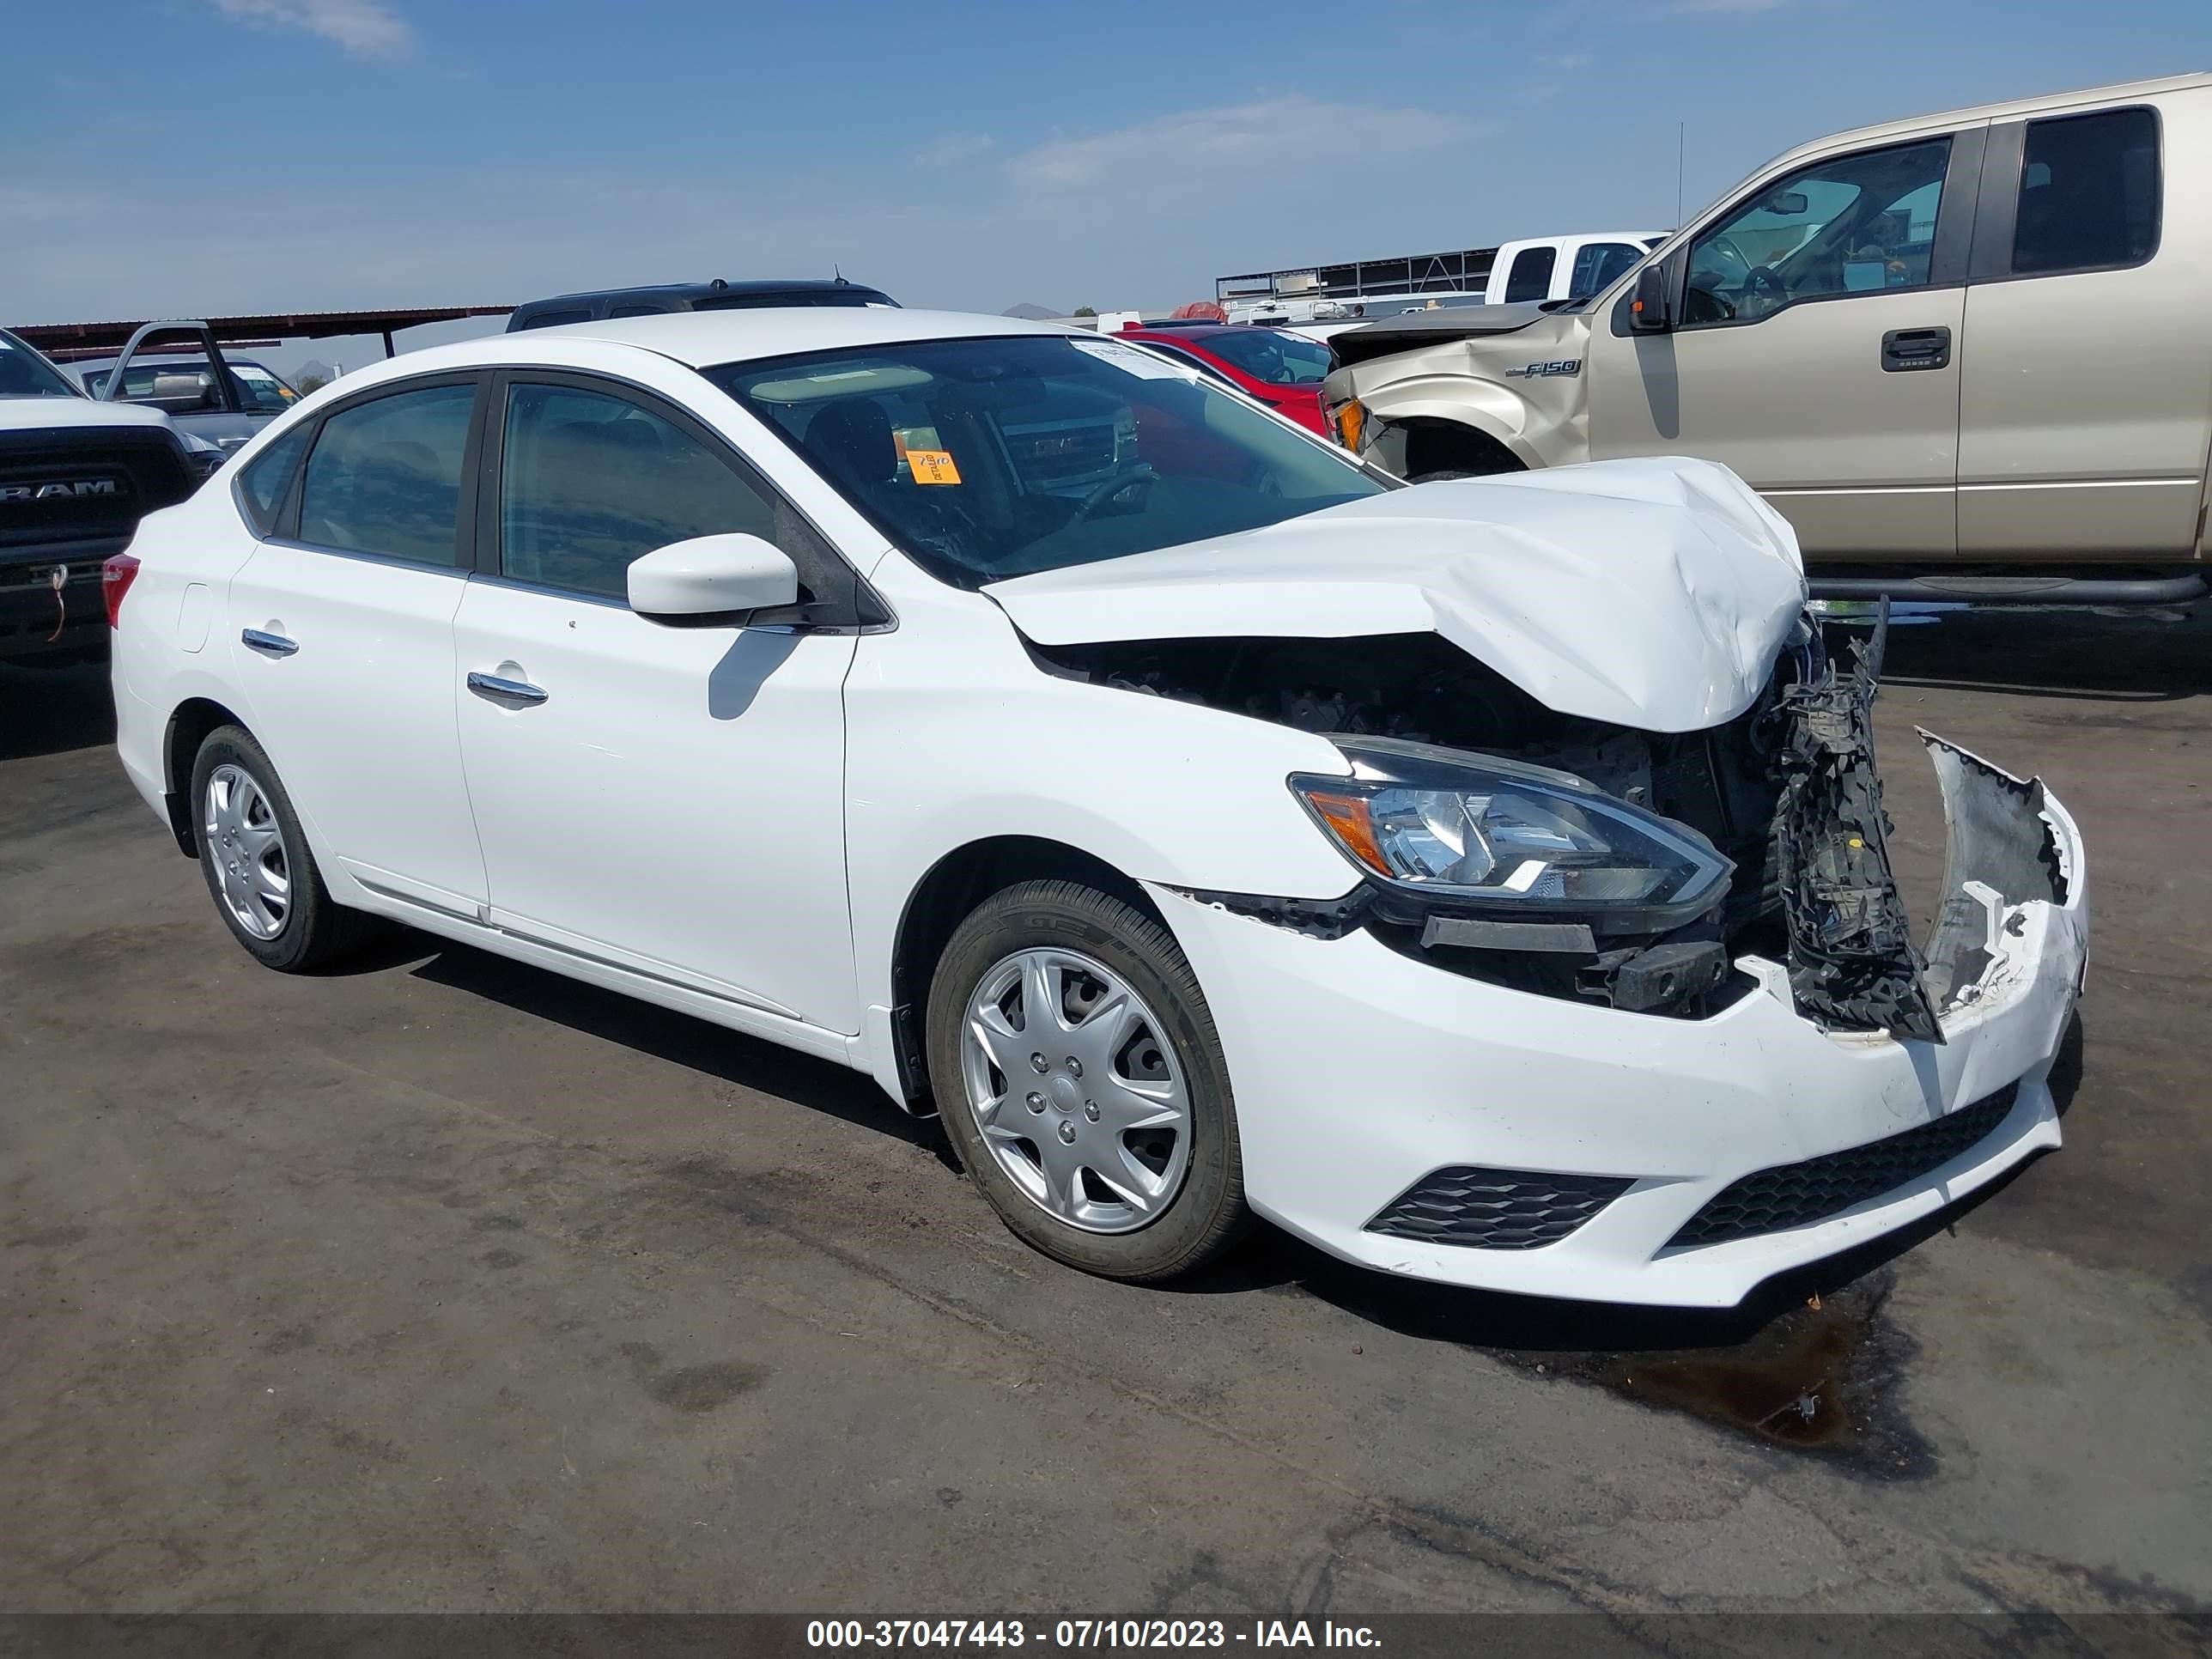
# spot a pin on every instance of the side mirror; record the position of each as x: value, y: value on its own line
x: 1647, y: 311
x: 712, y: 580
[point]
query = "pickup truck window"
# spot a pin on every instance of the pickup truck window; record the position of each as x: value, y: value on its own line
x: 1852, y: 224
x: 2088, y: 193
x: 1530, y: 279
x: 1597, y: 265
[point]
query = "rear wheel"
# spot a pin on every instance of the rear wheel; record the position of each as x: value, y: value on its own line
x: 1081, y: 1081
x: 256, y: 861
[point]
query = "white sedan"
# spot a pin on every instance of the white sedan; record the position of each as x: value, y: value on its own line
x: 1483, y: 880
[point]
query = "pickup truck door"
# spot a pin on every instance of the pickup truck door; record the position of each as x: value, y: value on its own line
x: 2086, y: 407
x: 1816, y: 348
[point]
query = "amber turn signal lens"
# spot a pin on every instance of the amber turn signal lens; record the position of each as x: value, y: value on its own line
x: 1354, y: 824
x: 1351, y: 423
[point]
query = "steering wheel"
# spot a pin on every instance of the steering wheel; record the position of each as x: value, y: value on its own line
x: 1140, y: 476
x: 1726, y: 260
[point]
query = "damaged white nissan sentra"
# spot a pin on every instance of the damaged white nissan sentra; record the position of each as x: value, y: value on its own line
x: 1483, y: 880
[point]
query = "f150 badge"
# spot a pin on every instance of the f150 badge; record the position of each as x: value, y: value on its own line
x: 1541, y: 371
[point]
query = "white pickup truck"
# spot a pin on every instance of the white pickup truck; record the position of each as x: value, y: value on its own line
x: 1532, y: 271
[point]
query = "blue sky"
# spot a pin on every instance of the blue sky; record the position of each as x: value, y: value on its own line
x: 171, y: 157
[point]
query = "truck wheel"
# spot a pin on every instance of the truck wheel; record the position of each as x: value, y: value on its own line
x: 1080, y: 1079
x: 255, y: 857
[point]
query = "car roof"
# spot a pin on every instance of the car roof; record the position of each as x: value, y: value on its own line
x: 702, y: 339
x: 706, y: 290
x: 2049, y: 103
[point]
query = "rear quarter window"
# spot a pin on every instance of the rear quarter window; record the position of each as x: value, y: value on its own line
x: 267, y: 479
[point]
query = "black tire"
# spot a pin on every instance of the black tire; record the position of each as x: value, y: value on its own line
x: 1478, y: 472
x: 1208, y: 1211
x: 316, y: 930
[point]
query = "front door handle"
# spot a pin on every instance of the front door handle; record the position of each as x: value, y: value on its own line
x: 1905, y: 349
x: 269, y: 645
x: 500, y: 689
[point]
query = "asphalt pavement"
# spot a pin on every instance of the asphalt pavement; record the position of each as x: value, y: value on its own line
x: 448, y: 1284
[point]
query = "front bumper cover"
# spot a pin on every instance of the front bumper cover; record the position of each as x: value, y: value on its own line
x: 1360, y: 1073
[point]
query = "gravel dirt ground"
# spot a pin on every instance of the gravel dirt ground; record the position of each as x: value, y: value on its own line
x: 446, y: 1283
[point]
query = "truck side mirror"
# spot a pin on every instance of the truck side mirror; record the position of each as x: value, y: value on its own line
x: 1647, y: 311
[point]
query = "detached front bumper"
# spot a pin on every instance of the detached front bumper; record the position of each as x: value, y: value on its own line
x: 1635, y: 1158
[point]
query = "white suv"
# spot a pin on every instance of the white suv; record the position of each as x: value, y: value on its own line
x: 1482, y: 880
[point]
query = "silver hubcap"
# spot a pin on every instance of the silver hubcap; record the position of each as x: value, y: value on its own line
x: 239, y: 828
x: 1076, y: 1091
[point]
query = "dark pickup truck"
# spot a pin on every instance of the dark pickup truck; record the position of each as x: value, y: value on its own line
x: 75, y: 476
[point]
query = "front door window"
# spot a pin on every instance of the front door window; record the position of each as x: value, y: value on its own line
x: 1854, y: 224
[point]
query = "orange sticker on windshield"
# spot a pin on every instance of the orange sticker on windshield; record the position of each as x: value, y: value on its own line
x: 932, y: 466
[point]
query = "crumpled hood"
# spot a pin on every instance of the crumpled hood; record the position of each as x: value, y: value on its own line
x: 1651, y: 594
x: 1419, y: 330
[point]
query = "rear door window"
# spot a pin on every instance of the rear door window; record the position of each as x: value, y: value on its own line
x: 1530, y: 278
x: 2088, y: 193
x: 385, y: 477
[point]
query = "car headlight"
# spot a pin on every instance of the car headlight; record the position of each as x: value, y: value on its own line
x: 1512, y: 839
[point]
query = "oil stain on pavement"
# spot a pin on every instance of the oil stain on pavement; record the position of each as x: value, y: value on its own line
x: 1822, y: 1378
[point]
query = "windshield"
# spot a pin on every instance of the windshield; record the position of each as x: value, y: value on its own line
x: 1268, y: 356
x: 24, y: 373
x: 996, y: 458
x: 264, y: 393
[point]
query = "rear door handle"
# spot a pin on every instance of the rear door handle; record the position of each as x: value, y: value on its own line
x: 500, y: 689
x: 1905, y: 349
x: 269, y: 645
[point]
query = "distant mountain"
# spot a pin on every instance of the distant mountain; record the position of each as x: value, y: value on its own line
x: 1030, y: 314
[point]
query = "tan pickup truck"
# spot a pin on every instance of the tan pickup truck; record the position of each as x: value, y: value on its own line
x: 1967, y: 354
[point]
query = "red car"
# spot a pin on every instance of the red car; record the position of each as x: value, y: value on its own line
x: 1282, y: 370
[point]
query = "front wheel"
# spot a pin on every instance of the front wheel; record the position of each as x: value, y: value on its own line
x: 256, y: 861
x: 1080, y: 1079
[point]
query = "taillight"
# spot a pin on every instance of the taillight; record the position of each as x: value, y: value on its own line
x: 115, y: 579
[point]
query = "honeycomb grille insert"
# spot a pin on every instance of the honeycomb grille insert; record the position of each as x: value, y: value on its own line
x: 1495, y: 1209
x: 1795, y: 1194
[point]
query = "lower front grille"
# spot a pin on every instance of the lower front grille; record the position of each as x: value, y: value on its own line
x: 1495, y: 1209
x: 1797, y: 1194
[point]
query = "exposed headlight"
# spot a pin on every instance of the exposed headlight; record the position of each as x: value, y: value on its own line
x: 1519, y: 840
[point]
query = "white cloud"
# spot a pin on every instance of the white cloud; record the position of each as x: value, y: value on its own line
x: 951, y: 147
x: 368, y: 29
x: 1209, y: 145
